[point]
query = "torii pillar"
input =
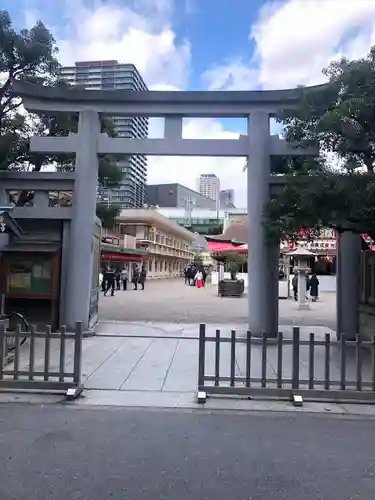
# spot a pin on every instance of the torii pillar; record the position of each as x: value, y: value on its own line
x: 80, y: 271
x: 263, y: 283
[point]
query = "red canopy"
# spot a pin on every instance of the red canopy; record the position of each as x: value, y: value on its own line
x: 216, y: 246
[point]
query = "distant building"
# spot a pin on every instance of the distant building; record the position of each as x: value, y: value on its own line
x: 209, y: 185
x: 169, y: 246
x: 177, y: 196
x: 226, y: 197
x: 111, y: 75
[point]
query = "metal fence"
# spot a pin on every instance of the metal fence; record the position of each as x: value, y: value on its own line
x: 46, y: 362
x: 313, y: 368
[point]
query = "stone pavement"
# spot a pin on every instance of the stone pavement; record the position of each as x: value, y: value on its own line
x: 170, y: 301
x: 156, y: 365
x: 136, y: 357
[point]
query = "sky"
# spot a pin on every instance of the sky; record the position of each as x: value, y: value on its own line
x: 207, y: 45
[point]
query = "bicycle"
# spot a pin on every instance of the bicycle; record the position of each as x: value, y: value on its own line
x: 14, y: 319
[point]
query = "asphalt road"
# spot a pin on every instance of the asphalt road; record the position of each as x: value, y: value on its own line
x: 60, y: 453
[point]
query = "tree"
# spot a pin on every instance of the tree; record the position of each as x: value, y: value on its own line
x: 107, y: 214
x: 30, y: 55
x: 339, y: 117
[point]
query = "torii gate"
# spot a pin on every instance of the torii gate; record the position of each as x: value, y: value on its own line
x: 257, y: 147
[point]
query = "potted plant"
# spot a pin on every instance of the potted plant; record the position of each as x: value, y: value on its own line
x: 232, y: 287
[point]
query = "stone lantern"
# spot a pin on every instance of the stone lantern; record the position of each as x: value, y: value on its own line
x: 301, y: 257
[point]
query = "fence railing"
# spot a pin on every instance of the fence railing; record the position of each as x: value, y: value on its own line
x: 46, y: 362
x: 314, y: 367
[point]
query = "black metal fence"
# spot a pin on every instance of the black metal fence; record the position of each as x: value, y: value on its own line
x: 314, y: 367
x: 46, y: 362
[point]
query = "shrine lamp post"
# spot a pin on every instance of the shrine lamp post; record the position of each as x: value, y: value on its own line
x: 301, y: 259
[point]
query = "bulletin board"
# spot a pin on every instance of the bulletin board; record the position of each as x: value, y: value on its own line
x: 31, y: 276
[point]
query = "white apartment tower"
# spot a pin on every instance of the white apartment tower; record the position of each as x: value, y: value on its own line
x: 110, y: 75
x: 209, y: 185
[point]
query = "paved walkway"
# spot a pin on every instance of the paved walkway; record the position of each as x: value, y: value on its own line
x: 165, y: 357
x: 170, y: 301
x: 142, y: 364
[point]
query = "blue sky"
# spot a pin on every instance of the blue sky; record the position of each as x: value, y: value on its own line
x: 207, y: 44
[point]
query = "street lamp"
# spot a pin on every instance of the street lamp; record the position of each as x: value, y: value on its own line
x: 302, y: 256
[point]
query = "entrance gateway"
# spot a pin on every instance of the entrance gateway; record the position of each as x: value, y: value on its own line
x: 257, y: 147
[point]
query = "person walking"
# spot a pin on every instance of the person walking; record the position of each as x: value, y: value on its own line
x: 314, y: 287
x: 192, y: 272
x: 204, y: 276
x: 118, y: 279
x: 295, y: 286
x: 124, y: 279
x: 199, y: 279
x: 110, y: 281
x: 102, y: 279
x: 186, y: 275
x: 135, y: 278
x: 142, y: 277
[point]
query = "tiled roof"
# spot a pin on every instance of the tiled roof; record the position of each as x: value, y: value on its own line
x: 237, y: 232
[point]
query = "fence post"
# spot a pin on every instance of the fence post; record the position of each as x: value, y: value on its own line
x: 295, y: 366
x: 2, y: 344
x: 77, y: 367
x: 232, y: 358
x: 201, y: 355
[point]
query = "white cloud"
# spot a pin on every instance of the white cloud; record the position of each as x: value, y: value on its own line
x: 142, y: 36
x: 234, y: 75
x: 141, y: 32
x: 294, y: 40
x: 186, y: 170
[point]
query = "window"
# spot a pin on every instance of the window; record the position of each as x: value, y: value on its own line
x: 60, y: 198
x: 21, y: 198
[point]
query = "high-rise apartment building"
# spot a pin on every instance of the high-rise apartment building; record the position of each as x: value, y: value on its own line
x: 110, y: 75
x: 226, y: 198
x: 209, y: 185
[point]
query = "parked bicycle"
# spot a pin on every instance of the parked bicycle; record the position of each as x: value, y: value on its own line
x: 13, y: 320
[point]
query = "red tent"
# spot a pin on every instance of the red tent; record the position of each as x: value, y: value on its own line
x: 216, y: 246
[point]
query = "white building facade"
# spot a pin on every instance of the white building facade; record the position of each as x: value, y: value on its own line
x: 169, y: 245
x: 209, y: 185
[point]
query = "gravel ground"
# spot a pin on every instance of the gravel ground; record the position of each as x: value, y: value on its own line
x: 171, y: 301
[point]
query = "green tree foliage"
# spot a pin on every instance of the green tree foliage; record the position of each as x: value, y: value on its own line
x: 30, y: 55
x: 339, y: 117
x: 107, y: 214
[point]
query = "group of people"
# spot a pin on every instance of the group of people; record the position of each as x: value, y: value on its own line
x: 195, y: 276
x: 312, y: 285
x: 113, y: 278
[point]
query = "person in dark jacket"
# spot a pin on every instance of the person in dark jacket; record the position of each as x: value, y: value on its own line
x: 142, y: 277
x: 118, y: 279
x: 103, y: 279
x: 204, y: 273
x: 109, y: 278
x: 135, y: 277
x: 192, y: 272
x: 295, y: 286
x: 314, y: 287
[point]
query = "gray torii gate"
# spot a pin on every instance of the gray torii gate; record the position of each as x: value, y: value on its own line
x: 257, y: 147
